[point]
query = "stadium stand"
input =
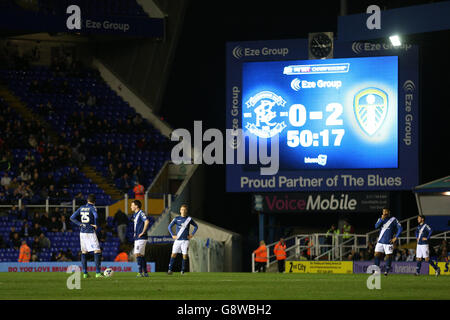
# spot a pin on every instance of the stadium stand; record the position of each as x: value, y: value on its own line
x: 52, y: 121
x: 89, y: 115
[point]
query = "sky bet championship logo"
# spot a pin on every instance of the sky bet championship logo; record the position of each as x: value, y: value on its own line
x: 370, y: 107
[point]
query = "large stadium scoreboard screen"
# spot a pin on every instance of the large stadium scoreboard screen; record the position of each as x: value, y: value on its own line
x: 341, y: 124
x: 329, y: 114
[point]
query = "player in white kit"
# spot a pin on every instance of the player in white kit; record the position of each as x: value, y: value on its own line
x: 423, y: 234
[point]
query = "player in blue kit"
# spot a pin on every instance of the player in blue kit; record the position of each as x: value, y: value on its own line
x: 386, y: 239
x: 423, y: 234
x: 141, y: 223
x: 86, y: 218
x: 181, y: 243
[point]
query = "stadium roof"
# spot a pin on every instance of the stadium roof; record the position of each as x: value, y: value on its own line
x: 439, y: 185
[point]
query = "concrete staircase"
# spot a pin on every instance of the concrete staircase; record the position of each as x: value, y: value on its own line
x: 29, y: 115
x: 102, y: 182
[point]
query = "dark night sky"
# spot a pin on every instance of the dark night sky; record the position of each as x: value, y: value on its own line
x: 196, y: 87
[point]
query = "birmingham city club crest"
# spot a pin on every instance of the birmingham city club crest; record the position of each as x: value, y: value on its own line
x: 261, y: 113
x: 370, y: 107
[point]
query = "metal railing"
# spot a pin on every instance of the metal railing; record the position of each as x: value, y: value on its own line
x: 296, y: 248
x: 341, y: 245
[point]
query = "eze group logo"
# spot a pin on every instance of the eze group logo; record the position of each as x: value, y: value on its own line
x: 261, y: 120
x: 357, y: 47
x: 295, y: 84
x: 370, y: 107
x: 239, y: 52
x: 409, y: 86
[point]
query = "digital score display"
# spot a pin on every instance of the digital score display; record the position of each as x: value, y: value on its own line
x: 329, y: 114
x: 350, y: 123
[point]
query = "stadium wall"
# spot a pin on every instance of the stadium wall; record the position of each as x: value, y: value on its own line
x: 128, y: 95
x: 144, y: 64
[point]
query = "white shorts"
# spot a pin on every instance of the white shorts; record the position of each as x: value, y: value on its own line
x: 180, y: 246
x: 384, y: 248
x: 89, y: 242
x: 139, y: 247
x: 422, y: 251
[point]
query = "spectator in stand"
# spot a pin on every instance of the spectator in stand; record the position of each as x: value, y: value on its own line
x: 370, y: 251
x: 25, y: 230
x: 69, y: 255
x: 34, y: 257
x: 65, y: 196
x: 36, y: 246
x: 121, y: 221
x: 6, y: 180
x: 2, y: 242
x: 141, y: 144
x: 332, y: 235
x: 36, y: 218
x: 13, y: 212
x: 102, y: 236
x: 304, y: 255
x: 138, y: 191
x: 44, y: 242
x: 79, y: 199
x: 55, y: 225
x: 61, y: 257
x: 54, y: 256
x: 119, y: 170
x: 65, y: 226
x: 91, y: 100
x: 81, y: 99
x: 25, y: 175
x: 411, y: 255
x: 36, y: 230
x: 112, y: 171
x: 73, y: 176
x: 55, y: 213
x: 125, y: 183
x: 122, y: 256
x: 25, y: 252
x: 44, y: 220
x: 53, y: 194
x: 23, y: 213
x: 16, y: 241
x: 3, y: 198
x: 12, y: 232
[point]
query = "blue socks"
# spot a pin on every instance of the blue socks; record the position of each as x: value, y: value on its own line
x: 97, y: 257
x: 139, y: 263
x: 144, y: 265
x: 183, y: 263
x: 419, y: 265
x: 388, y: 264
x: 84, y: 262
x: 377, y: 261
x: 171, y: 263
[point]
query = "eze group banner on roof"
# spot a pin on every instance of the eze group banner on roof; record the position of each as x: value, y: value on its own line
x: 32, y: 22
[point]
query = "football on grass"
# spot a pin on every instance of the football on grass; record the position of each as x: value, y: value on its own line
x: 108, y: 272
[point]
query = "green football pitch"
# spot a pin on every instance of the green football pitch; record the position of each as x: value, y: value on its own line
x: 223, y: 286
